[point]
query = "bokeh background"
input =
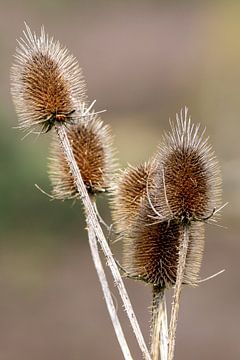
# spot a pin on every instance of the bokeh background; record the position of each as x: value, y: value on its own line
x: 143, y: 61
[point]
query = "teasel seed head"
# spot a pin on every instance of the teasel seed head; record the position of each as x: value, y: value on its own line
x: 182, y: 186
x: 188, y: 182
x: 91, y: 143
x: 150, y: 245
x: 129, y: 192
x: 46, y: 82
x: 151, y: 249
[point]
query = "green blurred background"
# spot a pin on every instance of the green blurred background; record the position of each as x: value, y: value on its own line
x: 143, y: 61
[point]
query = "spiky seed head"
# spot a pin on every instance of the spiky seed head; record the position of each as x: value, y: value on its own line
x: 130, y: 190
x: 91, y: 142
x: 151, y: 249
x: 46, y: 82
x: 150, y: 246
x: 188, y: 185
x: 183, y: 188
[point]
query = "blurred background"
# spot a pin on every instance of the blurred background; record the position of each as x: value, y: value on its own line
x: 143, y: 61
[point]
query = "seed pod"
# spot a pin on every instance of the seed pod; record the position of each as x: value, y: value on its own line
x: 92, y: 148
x: 188, y: 184
x: 150, y: 246
x: 183, y: 187
x: 46, y: 82
x: 130, y: 190
x: 151, y: 249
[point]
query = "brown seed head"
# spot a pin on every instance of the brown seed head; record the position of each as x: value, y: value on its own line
x: 92, y: 148
x: 188, y: 184
x: 151, y: 249
x: 182, y: 185
x: 129, y: 193
x: 46, y: 82
x: 150, y: 246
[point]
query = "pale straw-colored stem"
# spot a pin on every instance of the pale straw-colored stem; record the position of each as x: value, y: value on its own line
x: 164, y: 329
x: 177, y: 291
x: 92, y: 221
x: 107, y: 294
x: 159, y: 338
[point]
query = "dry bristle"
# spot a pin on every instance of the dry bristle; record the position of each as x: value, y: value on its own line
x: 92, y: 148
x: 188, y: 185
x: 46, y: 82
x: 130, y: 190
x: 151, y: 249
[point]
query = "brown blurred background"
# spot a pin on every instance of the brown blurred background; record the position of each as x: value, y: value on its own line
x: 143, y: 61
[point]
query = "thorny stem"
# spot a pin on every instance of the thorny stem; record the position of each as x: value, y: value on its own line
x: 92, y: 221
x: 159, y: 338
x: 107, y: 294
x: 177, y: 291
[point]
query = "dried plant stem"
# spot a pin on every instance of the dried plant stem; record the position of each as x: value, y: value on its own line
x: 159, y: 340
x: 177, y: 291
x: 92, y: 222
x: 164, y: 329
x: 107, y: 294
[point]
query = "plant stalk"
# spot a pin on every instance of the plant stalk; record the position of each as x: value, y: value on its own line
x: 159, y: 338
x: 177, y: 291
x: 93, y: 223
x: 107, y: 294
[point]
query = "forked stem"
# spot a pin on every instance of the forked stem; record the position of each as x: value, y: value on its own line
x: 107, y: 294
x: 92, y: 222
x: 177, y: 291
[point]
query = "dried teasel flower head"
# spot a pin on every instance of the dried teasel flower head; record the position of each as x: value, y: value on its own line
x: 91, y: 143
x: 46, y: 82
x: 150, y: 246
x: 188, y: 185
x: 129, y: 192
x: 151, y: 249
x: 182, y: 185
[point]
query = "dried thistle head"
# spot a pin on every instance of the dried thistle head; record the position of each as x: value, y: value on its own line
x: 91, y: 143
x: 188, y: 185
x: 129, y: 192
x: 46, y: 82
x: 150, y: 246
x: 181, y: 186
x: 151, y: 249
